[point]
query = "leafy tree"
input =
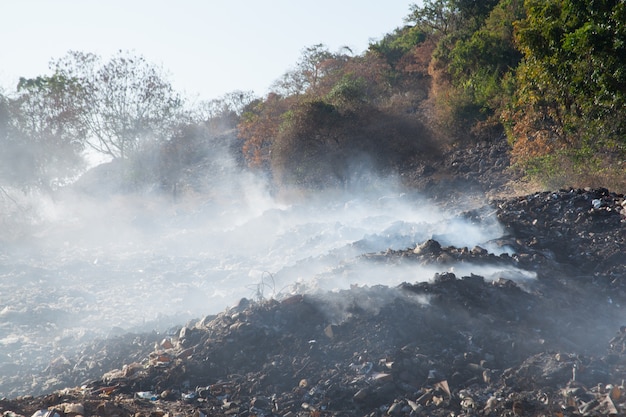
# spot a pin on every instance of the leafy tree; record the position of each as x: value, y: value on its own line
x: 375, y: 77
x: 474, y: 12
x: 338, y: 78
x: 42, y: 143
x: 459, y: 60
x: 435, y: 16
x: 480, y: 63
x: 349, y: 93
x: 321, y: 144
x: 444, y: 17
x: 315, y: 63
x: 123, y: 102
x: 571, y: 85
x: 301, y: 151
x: 397, y: 44
x: 259, y: 125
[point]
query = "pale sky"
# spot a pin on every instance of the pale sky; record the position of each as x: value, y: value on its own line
x: 208, y: 47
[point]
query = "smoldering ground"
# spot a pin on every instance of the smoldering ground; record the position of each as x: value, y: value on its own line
x: 92, y: 265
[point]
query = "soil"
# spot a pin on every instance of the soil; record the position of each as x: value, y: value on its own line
x: 553, y: 344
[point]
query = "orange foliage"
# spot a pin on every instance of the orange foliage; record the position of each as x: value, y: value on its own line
x: 374, y: 70
x: 417, y: 60
x: 259, y: 127
x: 532, y: 133
x: 370, y: 68
x: 532, y: 146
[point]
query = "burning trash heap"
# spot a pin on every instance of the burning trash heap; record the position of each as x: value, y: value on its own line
x: 553, y: 345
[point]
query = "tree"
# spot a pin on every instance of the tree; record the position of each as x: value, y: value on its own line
x: 307, y: 142
x: 443, y: 17
x: 123, y: 102
x: 567, y: 118
x: 434, y: 16
x: 224, y: 113
x: 42, y: 143
x: 315, y: 63
x: 480, y: 63
x: 259, y: 125
x: 572, y: 82
x: 397, y: 44
x: 322, y: 144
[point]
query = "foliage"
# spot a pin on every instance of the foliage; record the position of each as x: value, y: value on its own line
x: 393, y: 46
x: 321, y: 145
x: 122, y: 103
x: 472, y: 67
x: 445, y: 17
x: 571, y: 85
x: 224, y: 113
x: 349, y: 92
x: 438, y: 17
x: 259, y: 126
x: 315, y: 64
x: 42, y: 143
x: 371, y: 72
x: 301, y: 149
x: 550, y: 73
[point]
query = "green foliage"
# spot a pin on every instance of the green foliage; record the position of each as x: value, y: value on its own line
x: 550, y: 72
x: 574, y: 168
x: 42, y: 143
x: 349, y: 92
x: 395, y: 45
x: 571, y: 85
x: 299, y: 152
x: 444, y: 17
x: 478, y: 63
x: 315, y: 64
x: 438, y: 17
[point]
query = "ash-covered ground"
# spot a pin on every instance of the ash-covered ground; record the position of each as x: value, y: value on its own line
x: 454, y: 345
x: 514, y: 306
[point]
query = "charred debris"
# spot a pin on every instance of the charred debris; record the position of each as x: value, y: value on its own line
x: 550, y: 345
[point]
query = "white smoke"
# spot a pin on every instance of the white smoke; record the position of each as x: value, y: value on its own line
x: 98, y: 265
x: 134, y: 259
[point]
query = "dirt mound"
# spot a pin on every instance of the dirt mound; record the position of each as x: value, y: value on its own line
x: 550, y: 344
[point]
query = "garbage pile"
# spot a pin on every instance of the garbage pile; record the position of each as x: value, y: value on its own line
x: 554, y: 345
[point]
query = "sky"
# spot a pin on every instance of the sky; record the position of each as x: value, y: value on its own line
x: 207, y: 47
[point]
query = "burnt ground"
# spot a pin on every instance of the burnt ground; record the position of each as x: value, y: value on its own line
x: 552, y: 345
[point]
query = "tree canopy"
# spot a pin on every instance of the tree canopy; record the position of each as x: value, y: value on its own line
x: 122, y: 103
x: 114, y: 108
x: 548, y: 76
x: 569, y: 105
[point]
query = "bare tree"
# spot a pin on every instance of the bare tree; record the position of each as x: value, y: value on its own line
x: 123, y: 102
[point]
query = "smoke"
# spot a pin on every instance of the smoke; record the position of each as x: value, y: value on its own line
x: 339, y: 306
x: 135, y: 259
x: 96, y: 265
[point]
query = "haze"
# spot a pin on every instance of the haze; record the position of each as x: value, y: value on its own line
x: 209, y: 47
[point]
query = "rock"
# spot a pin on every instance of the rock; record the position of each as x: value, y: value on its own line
x: 72, y: 408
x: 430, y: 247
